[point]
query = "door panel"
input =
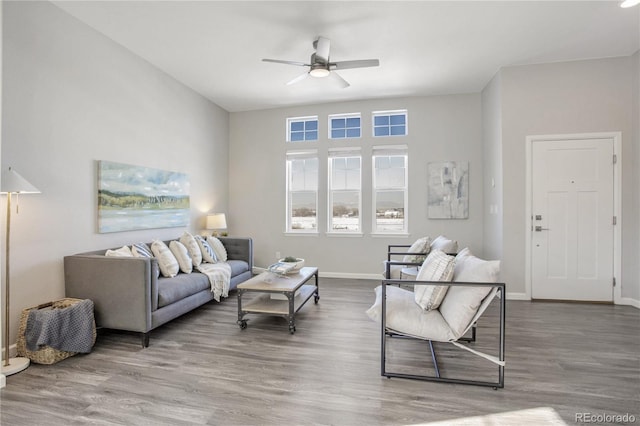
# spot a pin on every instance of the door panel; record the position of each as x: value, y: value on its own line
x: 572, y: 233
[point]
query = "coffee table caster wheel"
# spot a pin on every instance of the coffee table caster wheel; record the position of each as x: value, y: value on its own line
x: 316, y: 298
x: 292, y: 329
x: 242, y: 324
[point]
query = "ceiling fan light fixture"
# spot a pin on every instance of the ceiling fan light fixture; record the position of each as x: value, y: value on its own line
x: 319, y: 71
x: 629, y: 3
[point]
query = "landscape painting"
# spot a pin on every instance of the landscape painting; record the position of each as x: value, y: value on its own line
x: 448, y: 187
x: 136, y: 197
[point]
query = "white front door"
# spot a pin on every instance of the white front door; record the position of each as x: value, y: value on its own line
x: 572, y: 238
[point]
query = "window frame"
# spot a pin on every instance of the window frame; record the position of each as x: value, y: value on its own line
x: 304, y: 120
x: 332, y: 154
x: 347, y: 116
x: 389, y: 151
x: 389, y: 114
x: 289, y: 157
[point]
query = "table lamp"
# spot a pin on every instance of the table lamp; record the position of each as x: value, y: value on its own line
x: 216, y: 222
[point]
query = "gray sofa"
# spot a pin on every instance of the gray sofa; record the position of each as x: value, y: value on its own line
x: 128, y: 294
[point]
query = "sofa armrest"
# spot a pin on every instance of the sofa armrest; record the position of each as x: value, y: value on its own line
x: 239, y: 249
x: 120, y: 288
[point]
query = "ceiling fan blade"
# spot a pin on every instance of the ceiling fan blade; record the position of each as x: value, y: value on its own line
x: 278, y: 61
x: 362, y: 63
x: 298, y: 78
x: 322, y: 46
x: 341, y: 81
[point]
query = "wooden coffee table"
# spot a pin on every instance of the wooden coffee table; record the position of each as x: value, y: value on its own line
x: 277, y: 295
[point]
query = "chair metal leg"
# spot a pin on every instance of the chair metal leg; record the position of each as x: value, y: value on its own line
x: 435, y: 360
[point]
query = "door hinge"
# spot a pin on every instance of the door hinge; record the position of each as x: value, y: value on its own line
x: 615, y: 159
x: 614, y: 281
x: 615, y: 220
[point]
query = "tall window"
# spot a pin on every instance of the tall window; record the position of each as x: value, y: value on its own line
x: 344, y: 126
x: 390, y: 123
x: 390, y: 194
x: 301, y: 129
x: 302, y: 191
x: 344, y: 191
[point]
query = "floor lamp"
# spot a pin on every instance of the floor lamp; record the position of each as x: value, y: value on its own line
x: 11, y: 183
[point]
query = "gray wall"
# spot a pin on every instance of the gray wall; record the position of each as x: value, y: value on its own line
x: 72, y: 97
x: 569, y: 97
x: 492, y: 160
x: 440, y: 129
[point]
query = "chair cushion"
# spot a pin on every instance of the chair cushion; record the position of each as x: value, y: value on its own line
x: 461, y: 303
x: 406, y: 317
x: 421, y: 245
x: 437, y: 267
x: 445, y: 244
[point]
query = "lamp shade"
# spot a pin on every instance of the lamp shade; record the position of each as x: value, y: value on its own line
x: 216, y: 221
x: 13, y: 183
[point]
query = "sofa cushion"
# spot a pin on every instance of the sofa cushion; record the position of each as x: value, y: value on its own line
x: 192, y: 246
x: 182, y: 256
x: 176, y: 288
x: 141, y: 250
x: 461, y: 303
x: 218, y: 248
x: 437, y: 267
x: 121, y: 252
x: 406, y: 317
x: 208, y: 255
x: 166, y: 260
x: 238, y: 267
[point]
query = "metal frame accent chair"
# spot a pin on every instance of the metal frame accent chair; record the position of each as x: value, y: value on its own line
x: 465, y: 293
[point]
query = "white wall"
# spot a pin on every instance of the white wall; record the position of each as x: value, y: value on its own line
x: 569, y: 97
x: 492, y: 159
x: 635, y: 292
x: 441, y: 128
x: 72, y: 97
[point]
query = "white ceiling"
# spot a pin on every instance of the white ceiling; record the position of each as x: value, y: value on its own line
x: 424, y: 47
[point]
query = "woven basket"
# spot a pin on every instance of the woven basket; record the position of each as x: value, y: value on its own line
x: 46, y: 354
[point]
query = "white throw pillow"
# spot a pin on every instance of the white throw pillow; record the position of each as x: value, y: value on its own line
x: 208, y: 255
x: 404, y: 316
x: 182, y: 256
x: 421, y: 245
x: 121, y: 252
x: 437, y: 267
x: 218, y: 248
x: 166, y: 260
x: 192, y: 246
x: 445, y: 244
x: 462, y: 303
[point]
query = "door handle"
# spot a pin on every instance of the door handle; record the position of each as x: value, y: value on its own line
x: 540, y: 228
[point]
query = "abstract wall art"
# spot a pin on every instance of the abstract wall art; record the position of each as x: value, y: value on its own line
x: 136, y: 197
x: 448, y: 190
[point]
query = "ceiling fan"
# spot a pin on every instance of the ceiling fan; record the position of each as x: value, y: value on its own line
x: 320, y: 66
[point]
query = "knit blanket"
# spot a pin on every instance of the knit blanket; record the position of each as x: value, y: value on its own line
x: 69, y: 329
x: 219, y: 276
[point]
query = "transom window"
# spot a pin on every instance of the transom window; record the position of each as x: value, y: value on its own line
x: 344, y: 191
x: 390, y: 123
x: 302, y: 129
x: 344, y: 126
x: 390, y: 194
x: 302, y: 191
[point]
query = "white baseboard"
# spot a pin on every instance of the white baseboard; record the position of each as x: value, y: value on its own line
x: 630, y: 302
x: 349, y: 275
x: 517, y: 296
x: 13, y: 351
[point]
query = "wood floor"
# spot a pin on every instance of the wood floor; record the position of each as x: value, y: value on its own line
x: 562, y: 359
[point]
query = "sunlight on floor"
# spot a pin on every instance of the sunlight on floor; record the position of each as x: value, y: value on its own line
x: 533, y: 416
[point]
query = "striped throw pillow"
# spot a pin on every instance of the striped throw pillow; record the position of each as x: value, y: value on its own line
x: 208, y: 255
